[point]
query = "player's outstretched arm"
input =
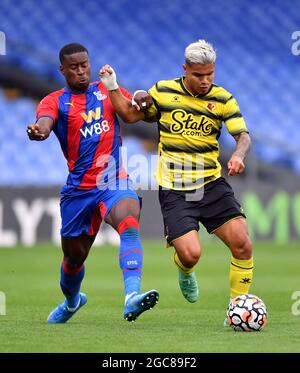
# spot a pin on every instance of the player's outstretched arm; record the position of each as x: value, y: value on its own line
x: 236, y: 162
x: 129, y: 111
x: 41, y: 129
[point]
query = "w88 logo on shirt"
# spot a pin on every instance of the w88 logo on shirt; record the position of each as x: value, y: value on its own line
x: 96, y: 128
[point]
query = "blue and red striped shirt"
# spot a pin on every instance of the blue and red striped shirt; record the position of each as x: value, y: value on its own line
x: 88, y: 130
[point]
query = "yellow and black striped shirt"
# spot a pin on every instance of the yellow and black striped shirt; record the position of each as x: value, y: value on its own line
x: 189, y: 128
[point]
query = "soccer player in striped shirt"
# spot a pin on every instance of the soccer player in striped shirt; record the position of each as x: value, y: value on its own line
x: 97, y: 188
x: 190, y: 111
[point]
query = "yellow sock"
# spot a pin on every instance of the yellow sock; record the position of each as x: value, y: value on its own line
x: 240, y: 276
x: 183, y: 269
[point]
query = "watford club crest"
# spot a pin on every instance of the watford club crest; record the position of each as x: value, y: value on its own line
x: 211, y: 106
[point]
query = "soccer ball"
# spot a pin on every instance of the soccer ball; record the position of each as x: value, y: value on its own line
x: 247, y: 313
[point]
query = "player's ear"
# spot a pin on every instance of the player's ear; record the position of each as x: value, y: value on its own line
x: 184, y: 67
x: 61, y: 69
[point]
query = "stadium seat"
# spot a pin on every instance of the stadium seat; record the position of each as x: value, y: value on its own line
x: 254, y: 63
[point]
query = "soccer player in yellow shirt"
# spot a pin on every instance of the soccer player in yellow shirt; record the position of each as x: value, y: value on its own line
x: 190, y: 111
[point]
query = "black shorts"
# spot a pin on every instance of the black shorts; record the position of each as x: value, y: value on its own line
x: 212, y: 206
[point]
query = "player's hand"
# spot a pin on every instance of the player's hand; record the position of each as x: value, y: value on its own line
x: 235, y: 165
x: 141, y: 100
x: 34, y: 132
x: 108, y: 77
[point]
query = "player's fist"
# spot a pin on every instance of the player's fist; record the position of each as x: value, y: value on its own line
x: 108, y: 77
x: 34, y: 133
x: 235, y: 165
x: 141, y: 100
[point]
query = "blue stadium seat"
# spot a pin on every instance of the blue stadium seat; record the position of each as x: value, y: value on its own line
x: 253, y: 44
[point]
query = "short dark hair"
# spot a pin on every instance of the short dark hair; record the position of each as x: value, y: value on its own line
x: 71, y: 48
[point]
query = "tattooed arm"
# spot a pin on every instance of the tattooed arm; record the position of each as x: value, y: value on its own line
x: 236, y: 162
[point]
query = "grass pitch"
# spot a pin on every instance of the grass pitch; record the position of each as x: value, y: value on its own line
x: 29, y: 277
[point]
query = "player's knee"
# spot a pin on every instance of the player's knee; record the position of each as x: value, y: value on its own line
x: 74, y: 262
x: 190, y: 257
x: 129, y: 227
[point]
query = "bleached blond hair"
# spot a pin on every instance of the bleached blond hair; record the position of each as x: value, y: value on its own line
x: 200, y: 52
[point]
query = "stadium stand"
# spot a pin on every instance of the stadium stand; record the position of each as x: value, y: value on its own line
x: 144, y: 41
x: 23, y: 162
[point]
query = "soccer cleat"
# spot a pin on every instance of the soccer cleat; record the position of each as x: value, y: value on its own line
x: 189, y: 287
x: 139, y: 303
x: 62, y: 314
x: 226, y: 323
